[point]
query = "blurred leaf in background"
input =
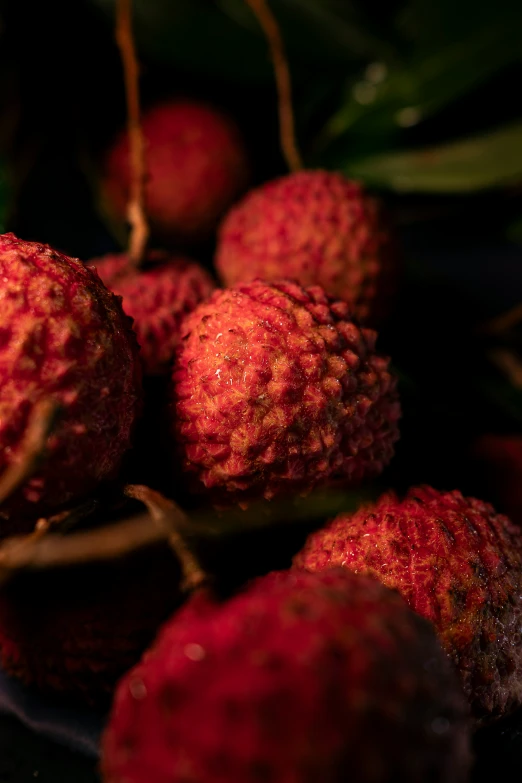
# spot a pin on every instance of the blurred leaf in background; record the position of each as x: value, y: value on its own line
x: 370, y: 78
x: 454, y: 49
x: 489, y: 160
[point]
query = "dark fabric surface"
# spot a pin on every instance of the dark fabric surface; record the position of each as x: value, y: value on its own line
x: 26, y: 757
x: 76, y: 729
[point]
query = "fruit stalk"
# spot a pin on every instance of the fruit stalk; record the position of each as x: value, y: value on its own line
x: 139, y: 232
x: 172, y: 519
x: 272, y: 32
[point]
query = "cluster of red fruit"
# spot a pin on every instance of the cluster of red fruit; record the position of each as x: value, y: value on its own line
x: 275, y: 389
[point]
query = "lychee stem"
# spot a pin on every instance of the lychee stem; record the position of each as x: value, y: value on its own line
x: 43, y: 550
x: 139, y: 227
x: 40, y: 551
x: 272, y: 32
x: 171, y: 518
x: 39, y: 428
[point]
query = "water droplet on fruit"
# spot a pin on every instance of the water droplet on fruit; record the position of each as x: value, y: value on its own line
x: 137, y: 689
x: 194, y: 652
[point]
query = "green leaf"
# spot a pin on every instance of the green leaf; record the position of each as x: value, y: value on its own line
x: 429, y: 79
x: 487, y: 161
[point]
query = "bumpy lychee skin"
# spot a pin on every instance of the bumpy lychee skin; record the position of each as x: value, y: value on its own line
x: 64, y: 337
x: 457, y: 563
x: 297, y: 680
x: 73, y: 632
x: 196, y: 166
x: 315, y: 227
x: 277, y: 390
x: 157, y: 297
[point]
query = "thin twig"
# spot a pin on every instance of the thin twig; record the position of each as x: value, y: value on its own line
x: 33, y: 446
x: 139, y: 228
x: 38, y: 552
x: 272, y: 32
x: 170, y: 518
x: 504, y: 322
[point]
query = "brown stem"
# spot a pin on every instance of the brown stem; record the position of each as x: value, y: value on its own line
x: 272, y: 32
x: 38, y: 551
x: 171, y: 518
x: 33, y: 446
x: 45, y: 549
x: 504, y: 322
x: 139, y: 228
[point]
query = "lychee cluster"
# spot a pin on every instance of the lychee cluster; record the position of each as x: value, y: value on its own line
x: 291, y: 681
x: 318, y: 228
x: 156, y: 296
x: 458, y: 564
x: 277, y: 391
x: 393, y: 620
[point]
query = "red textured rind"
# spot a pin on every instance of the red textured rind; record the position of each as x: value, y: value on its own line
x: 157, y: 297
x: 457, y: 563
x: 75, y: 632
x: 318, y: 228
x: 196, y: 166
x: 64, y: 336
x: 277, y: 390
x: 297, y: 680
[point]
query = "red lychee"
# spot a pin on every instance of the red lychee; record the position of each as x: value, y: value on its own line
x: 74, y: 632
x: 296, y: 680
x: 277, y: 390
x: 499, y: 458
x: 157, y: 297
x: 63, y: 337
x: 196, y: 166
x: 457, y: 563
x: 315, y: 227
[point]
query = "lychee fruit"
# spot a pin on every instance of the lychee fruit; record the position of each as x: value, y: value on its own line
x: 196, y: 166
x: 293, y: 681
x: 73, y: 632
x: 156, y: 296
x: 63, y: 337
x: 315, y: 227
x: 458, y: 564
x: 499, y: 462
x: 277, y: 390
